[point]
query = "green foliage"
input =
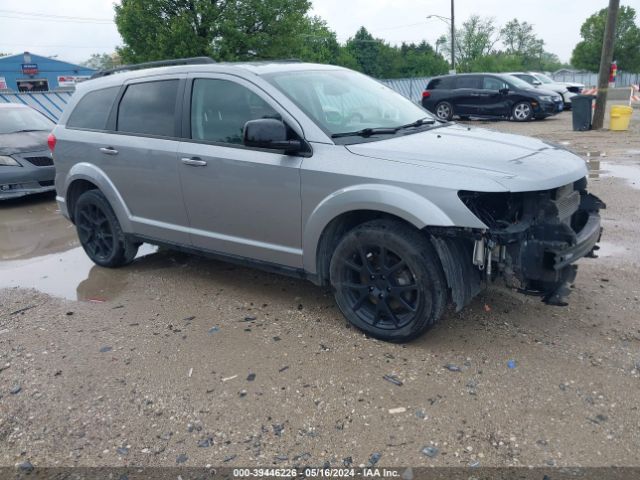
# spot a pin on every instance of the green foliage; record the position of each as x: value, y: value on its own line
x: 519, y: 39
x: 102, y: 61
x: 474, y: 39
x: 317, y: 43
x: 222, y: 29
x: 377, y: 58
x: 586, y: 54
x: 476, y: 51
x: 237, y: 30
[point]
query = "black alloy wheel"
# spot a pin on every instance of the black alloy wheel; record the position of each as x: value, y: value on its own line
x: 388, y: 281
x: 100, y: 233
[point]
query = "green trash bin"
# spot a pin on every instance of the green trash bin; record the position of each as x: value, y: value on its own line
x: 582, y: 111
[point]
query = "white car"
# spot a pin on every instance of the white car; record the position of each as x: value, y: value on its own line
x: 568, y: 90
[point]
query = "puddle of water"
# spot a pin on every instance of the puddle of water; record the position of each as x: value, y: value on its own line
x: 630, y: 173
x: 69, y: 274
x: 33, y: 227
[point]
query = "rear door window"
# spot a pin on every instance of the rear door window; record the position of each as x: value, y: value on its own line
x: 149, y: 108
x: 469, y: 81
x: 92, y: 111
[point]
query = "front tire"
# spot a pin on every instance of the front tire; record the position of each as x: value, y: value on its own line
x: 388, y: 281
x: 100, y: 233
x: 522, y: 112
x: 444, y: 111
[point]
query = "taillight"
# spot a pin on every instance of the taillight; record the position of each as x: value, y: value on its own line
x: 426, y: 94
x: 51, y: 141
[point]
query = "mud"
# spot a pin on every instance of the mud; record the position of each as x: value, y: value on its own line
x: 146, y: 364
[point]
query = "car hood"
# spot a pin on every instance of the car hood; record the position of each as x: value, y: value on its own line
x: 515, y: 162
x: 21, y: 142
x: 553, y: 87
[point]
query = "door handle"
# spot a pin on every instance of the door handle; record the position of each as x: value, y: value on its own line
x: 109, y: 150
x: 194, y: 162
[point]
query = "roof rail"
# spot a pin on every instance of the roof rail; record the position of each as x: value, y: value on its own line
x: 157, y: 63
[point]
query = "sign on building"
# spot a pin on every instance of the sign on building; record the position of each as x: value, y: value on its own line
x: 29, y: 68
x: 3, y: 84
x: 71, y: 80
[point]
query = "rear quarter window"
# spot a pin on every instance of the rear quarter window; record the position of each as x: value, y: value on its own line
x: 440, y: 83
x: 92, y: 111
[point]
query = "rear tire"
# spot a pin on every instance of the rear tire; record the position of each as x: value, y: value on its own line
x: 444, y: 111
x: 522, y: 112
x: 100, y: 233
x: 388, y: 281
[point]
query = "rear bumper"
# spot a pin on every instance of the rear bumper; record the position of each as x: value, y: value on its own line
x: 62, y: 206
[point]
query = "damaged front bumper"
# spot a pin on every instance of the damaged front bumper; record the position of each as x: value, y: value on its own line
x: 535, y: 238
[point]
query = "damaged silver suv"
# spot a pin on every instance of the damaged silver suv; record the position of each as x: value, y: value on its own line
x: 323, y: 173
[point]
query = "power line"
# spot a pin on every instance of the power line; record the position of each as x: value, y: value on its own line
x: 48, y: 15
x: 55, y: 46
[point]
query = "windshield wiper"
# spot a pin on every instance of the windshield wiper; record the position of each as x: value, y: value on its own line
x: 29, y: 130
x: 417, y: 123
x: 367, y: 132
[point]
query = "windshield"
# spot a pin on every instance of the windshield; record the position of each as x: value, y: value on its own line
x: 19, y: 119
x: 342, y: 101
x: 516, y: 82
x: 543, y: 78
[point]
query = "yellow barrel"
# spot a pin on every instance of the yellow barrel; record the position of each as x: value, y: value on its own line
x: 620, y: 117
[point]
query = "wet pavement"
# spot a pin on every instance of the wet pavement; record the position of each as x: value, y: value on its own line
x: 39, y: 249
x: 181, y: 359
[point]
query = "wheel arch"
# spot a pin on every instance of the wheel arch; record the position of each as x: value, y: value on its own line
x: 85, y: 176
x: 347, y: 208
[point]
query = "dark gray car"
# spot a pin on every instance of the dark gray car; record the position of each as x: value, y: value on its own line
x: 323, y: 173
x: 26, y: 166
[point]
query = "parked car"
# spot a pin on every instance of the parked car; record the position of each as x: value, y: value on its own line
x: 265, y: 164
x: 26, y: 166
x: 488, y: 95
x: 567, y: 90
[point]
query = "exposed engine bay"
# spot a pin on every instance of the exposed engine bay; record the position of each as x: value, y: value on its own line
x: 533, y: 240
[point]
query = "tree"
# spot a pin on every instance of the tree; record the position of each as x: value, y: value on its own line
x: 222, y: 29
x: 519, y: 39
x: 102, y: 61
x: 475, y: 39
x: 586, y: 54
x: 318, y: 43
x: 421, y: 60
x: 366, y: 50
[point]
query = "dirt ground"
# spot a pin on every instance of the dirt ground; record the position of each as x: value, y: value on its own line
x: 182, y: 360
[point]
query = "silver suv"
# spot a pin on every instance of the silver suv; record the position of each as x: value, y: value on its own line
x: 323, y: 173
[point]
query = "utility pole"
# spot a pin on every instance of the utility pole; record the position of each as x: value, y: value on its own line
x: 453, y: 36
x: 605, y: 63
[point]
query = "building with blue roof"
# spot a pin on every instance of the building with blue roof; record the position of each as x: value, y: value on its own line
x: 28, y: 72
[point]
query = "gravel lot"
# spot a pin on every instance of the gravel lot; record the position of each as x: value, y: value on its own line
x: 182, y: 360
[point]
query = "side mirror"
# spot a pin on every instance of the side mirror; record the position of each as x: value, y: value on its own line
x: 504, y: 91
x: 537, y: 83
x: 269, y: 133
